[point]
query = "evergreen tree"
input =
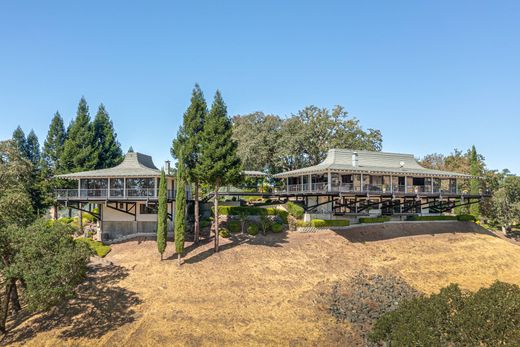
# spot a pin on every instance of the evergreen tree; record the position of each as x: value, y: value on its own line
x: 474, y: 182
x: 188, y: 142
x: 219, y: 164
x: 110, y: 153
x: 20, y: 141
x: 80, y: 151
x: 131, y: 150
x: 162, y: 216
x: 180, y: 209
x: 33, y: 148
x: 53, y: 145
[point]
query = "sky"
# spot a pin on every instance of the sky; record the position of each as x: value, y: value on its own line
x: 431, y: 75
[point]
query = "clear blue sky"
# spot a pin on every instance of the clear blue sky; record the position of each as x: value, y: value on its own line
x: 432, y: 75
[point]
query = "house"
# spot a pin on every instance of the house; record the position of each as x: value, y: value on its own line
x: 126, y: 196
x: 355, y: 182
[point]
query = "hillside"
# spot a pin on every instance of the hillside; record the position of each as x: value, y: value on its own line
x: 261, y: 291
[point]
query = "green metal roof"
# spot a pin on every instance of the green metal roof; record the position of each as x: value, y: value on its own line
x: 134, y: 165
x: 341, y: 160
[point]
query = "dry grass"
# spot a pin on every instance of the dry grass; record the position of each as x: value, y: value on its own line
x: 260, y: 292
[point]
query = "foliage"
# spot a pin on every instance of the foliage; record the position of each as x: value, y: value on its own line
x: 265, y: 223
x: 180, y: 208
x: 97, y: 247
x: 105, y: 140
x: 489, y: 317
x: 33, y: 148
x: 272, y: 144
x: 373, y: 219
x: 162, y: 216
x: 223, y: 232
x: 321, y: 223
x: 474, y: 185
x: 234, y: 226
x: 250, y: 211
x: 466, y: 218
x: 430, y: 218
x: 277, y: 227
x: 205, y: 223
x: 252, y: 229
x: 53, y: 145
x: 504, y: 206
x: 302, y: 224
x: 295, y: 210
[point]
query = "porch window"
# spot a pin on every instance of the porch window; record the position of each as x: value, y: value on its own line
x: 140, y: 186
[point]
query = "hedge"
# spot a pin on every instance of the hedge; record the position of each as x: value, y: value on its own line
x: 430, y: 218
x: 373, y: 219
x: 295, y: 210
x: 252, y: 211
x: 252, y: 229
x: 277, y: 228
x: 97, y: 247
x: 320, y: 223
x: 466, y: 218
x: 234, y: 226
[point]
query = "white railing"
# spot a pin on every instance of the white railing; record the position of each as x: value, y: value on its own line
x: 368, y: 188
x: 130, y: 193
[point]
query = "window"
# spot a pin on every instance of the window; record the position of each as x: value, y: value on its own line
x: 150, y: 209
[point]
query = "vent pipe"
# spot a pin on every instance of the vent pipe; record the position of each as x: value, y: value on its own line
x: 354, y: 159
x: 167, y: 167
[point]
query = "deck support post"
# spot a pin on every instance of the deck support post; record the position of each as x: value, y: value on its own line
x: 108, y: 188
x: 287, y: 184
x: 329, y: 181
x: 124, y: 187
x: 309, y: 187
x: 405, y: 184
x: 79, y: 188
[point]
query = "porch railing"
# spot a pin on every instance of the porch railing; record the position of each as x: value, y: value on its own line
x: 135, y: 193
x: 369, y: 188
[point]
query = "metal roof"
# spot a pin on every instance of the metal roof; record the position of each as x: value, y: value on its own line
x: 134, y: 165
x: 341, y: 160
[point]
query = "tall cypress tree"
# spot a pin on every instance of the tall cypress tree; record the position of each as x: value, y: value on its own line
x: 219, y: 164
x: 474, y: 182
x: 180, y: 209
x: 162, y: 216
x: 20, y: 142
x: 188, y: 142
x: 33, y: 148
x: 80, y: 151
x: 109, y: 149
x: 53, y: 145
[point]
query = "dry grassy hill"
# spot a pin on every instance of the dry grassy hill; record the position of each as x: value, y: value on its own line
x: 260, y: 291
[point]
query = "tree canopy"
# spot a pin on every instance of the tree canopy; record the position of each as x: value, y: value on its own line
x: 105, y: 140
x: 53, y: 145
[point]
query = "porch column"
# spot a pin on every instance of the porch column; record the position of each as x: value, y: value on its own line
x: 155, y: 190
x: 329, y: 181
x: 432, y: 184
x: 405, y: 184
x: 362, y: 182
x: 79, y: 188
x: 301, y: 183
x: 108, y: 189
x: 287, y: 184
x: 309, y: 187
x: 391, y: 184
x: 124, y: 187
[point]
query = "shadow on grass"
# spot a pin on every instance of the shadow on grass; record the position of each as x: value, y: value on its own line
x: 387, y: 231
x: 99, y: 307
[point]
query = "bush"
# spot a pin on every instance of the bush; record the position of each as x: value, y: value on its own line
x: 430, y: 218
x: 234, y: 226
x: 466, y: 218
x: 302, y: 224
x: 252, y: 229
x: 322, y: 223
x: 277, y: 228
x: 373, y: 219
x: 223, y: 232
x: 248, y: 211
x: 100, y: 249
x: 488, y: 317
x: 205, y: 223
x: 295, y: 210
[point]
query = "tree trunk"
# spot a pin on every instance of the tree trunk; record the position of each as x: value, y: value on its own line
x: 197, y: 222
x: 5, y: 307
x: 216, y: 217
x: 178, y: 259
x: 14, y: 297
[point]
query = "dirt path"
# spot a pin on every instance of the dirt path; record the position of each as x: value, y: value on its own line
x: 260, y: 292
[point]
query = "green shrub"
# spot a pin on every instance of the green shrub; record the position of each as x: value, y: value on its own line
x: 373, y: 219
x: 252, y: 229
x: 277, y: 228
x: 322, y: 223
x: 223, y: 232
x: 66, y: 220
x: 466, y: 218
x: 302, y: 224
x: 205, y: 223
x: 488, y: 317
x: 250, y: 211
x: 283, y: 215
x: 96, y: 247
x: 430, y: 218
x: 234, y: 226
x: 295, y: 210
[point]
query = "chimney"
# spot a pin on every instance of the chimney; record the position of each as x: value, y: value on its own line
x: 354, y: 159
x: 167, y: 167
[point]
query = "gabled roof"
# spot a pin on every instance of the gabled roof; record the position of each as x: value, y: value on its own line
x: 371, y: 162
x: 134, y: 165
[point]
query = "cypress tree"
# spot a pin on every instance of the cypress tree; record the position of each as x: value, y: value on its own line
x: 162, y: 216
x: 53, y: 145
x: 474, y: 182
x: 109, y: 149
x: 188, y: 143
x: 33, y: 148
x: 219, y: 164
x: 80, y: 151
x: 20, y: 142
x: 180, y: 210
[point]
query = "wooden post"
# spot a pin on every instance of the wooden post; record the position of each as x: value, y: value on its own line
x: 362, y: 183
x: 81, y: 220
x: 124, y: 187
x: 329, y: 181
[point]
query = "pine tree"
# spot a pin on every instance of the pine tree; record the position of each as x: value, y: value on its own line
x: 20, y: 141
x: 180, y: 209
x: 188, y: 142
x: 80, y: 151
x: 110, y: 153
x: 162, y: 216
x: 219, y: 164
x: 474, y: 182
x: 33, y: 148
x: 53, y: 145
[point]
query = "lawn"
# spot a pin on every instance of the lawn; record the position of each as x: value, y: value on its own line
x: 260, y: 291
